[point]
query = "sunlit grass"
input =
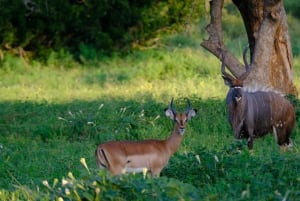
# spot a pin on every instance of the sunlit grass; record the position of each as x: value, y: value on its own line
x: 178, y: 73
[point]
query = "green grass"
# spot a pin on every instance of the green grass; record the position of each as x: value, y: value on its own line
x: 140, y: 72
x: 52, y: 116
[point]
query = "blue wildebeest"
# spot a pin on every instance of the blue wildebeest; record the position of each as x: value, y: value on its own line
x: 254, y: 113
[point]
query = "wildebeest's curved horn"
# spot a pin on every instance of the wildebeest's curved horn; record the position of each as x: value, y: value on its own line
x: 247, y: 66
x: 245, y: 59
x: 225, y: 74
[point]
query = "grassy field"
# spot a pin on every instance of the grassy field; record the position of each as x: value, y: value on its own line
x: 54, y: 114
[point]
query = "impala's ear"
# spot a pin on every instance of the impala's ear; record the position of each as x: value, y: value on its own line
x: 169, y: 113
x: 191, y: 113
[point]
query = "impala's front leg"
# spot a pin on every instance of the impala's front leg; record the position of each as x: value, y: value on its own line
x: 155, y: 172
x: 117, y: 170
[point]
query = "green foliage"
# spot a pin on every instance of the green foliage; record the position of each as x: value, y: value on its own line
x: 295, y: 35
x: 41, y: 26
x: 208, y: 165
x: 60, y: 59
x: 243, y: 175
x: 292, y: 8
x: 98, y: 185
x: 11, y: 63
x: 127, y: 187
x: 53, y: 115
x: 231, y: 174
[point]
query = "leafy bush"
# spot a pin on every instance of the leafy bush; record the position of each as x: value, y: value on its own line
x: 98, y: 185
x: 292, y: 7
x: 231, y: 174
x: 38, y: 26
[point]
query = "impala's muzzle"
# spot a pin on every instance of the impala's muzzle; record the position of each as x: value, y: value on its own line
x: 181, y: 130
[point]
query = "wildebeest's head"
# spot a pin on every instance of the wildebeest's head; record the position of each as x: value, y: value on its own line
x: 235, y: 99
x: 235, y: 93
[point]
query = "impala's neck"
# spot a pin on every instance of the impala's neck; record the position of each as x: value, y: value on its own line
x: 173, y: 142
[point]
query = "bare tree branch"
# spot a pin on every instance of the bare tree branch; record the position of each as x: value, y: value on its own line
x: 269, y: 42
x: 215, y: 43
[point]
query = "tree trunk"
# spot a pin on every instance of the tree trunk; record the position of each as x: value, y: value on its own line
x: 269, y: 42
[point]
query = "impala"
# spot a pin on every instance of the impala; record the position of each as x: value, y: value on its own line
x: 151, y: 155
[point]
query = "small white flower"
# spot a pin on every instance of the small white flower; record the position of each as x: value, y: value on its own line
x: 45, y: 183
x: 70, y: 175
x: 83, y: 162
x: 101, y: 106
x: 61, y: 118
x: 67, y: 191
x: 55, y: 182
x: 198, y: 159
x: 157, y: 117
x: 216, y: 158
x: 71, y: 114
x: 64, y: 182
x: 60, y: 199
x: 145, y: 170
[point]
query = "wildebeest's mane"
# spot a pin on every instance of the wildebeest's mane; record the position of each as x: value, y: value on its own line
x: 256, y: 87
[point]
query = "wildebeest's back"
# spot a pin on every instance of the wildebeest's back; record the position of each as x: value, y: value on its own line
x: 283, y: 112
x: 259, y: 112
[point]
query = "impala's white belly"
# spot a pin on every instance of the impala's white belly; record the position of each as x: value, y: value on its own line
x: 138, y: 163
x: 129, y: 169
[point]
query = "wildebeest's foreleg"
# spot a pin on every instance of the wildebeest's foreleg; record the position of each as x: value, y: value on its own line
x: 250, y: 138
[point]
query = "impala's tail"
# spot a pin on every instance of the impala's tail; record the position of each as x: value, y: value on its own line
x: 101, y: 158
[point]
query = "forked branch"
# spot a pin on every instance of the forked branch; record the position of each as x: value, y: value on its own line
x: 268, y: 39
x: 215, y: 43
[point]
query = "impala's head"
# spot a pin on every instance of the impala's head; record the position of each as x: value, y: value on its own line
x: 181, y: 119
x: 235, y: 93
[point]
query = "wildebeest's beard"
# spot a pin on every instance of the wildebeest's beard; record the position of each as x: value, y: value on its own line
x: 236, y: 111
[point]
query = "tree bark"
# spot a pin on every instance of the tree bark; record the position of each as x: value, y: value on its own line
x: 270, y: 48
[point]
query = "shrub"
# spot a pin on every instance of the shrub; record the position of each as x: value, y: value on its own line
x: 98, y: 185
x: 38, y: 26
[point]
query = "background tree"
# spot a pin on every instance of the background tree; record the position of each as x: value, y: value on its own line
x: 35, y: 28
x: 269, y: 41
